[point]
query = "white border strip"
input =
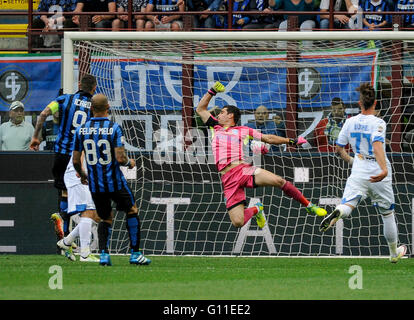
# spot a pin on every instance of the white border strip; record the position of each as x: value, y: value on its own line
x: 239, y: 35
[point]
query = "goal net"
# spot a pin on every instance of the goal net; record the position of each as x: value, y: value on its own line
x: 154, y: 82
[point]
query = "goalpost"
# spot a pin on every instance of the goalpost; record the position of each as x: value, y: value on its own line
x: 154, y: 81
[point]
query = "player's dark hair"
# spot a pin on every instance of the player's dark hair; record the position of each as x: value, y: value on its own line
x: 336, y: 101
x: 367, y: 95
x: 235, y: 111
x: 87, y: 83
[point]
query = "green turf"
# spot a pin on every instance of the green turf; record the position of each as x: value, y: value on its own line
x: 194, y: 278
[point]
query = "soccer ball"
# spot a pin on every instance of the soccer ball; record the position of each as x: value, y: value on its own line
x: 408, y: 141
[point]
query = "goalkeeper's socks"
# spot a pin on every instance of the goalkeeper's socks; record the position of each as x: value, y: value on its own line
x: 249, y: 213
x: 103, y: 236
x: 293, y: 192
x: 133, y: 227
x: 85, y: 232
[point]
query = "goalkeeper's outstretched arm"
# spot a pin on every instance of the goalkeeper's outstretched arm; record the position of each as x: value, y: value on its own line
x: 205, y: 100
x: 273, y: 139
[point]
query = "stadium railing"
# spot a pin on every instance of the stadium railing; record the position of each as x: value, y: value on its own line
x: 8, y: 30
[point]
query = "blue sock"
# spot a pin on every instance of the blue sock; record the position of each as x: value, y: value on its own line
x: 134, y: 232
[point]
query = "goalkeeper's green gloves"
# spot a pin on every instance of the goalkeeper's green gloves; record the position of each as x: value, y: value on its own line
x: 297, y: 142
x: 216, y: 88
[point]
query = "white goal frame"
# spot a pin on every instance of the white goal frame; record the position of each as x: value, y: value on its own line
x: 69, y: 38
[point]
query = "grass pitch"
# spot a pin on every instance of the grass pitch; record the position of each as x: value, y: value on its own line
x: 205, y: 278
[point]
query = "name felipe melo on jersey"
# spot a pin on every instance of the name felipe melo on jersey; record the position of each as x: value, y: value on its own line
x: 92, y: 130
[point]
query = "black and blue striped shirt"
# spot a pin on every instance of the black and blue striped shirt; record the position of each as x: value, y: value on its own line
x: 99, y: 137
x: 370, y: 7
x: 74, y: 110
x: 408, y: 6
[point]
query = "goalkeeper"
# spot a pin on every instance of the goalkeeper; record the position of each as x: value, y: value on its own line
x: 236, y: 174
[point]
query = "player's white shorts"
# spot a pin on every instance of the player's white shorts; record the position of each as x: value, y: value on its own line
x: 79, y: 199
x: 380, y: 193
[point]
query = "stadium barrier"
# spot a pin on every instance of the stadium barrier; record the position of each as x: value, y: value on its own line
x: 197, y: 224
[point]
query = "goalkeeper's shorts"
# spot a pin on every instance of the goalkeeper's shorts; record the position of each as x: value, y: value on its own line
x: 235, y: 181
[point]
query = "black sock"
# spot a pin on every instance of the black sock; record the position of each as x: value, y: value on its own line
x: 103, y: 236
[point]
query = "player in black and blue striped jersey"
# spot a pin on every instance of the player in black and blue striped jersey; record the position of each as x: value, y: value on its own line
x: 73, y: 110
x: 102, y: 140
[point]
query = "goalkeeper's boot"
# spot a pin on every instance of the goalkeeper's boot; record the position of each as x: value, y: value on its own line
x: 105, y: 259
x: 401, y: 251
x: 330, y: 220
x: 58, y: 222
x: 138, y: 258
x: 316, y: 210
x: 90, y: 258
x: 260, y: 218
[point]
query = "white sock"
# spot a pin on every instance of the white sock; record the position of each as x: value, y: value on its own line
x: 345, y: 210
x: 71, y: 236
x: 391, y: 233
x: 85, y: 232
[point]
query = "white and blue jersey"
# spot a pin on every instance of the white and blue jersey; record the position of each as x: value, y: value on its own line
x: 361, y: 132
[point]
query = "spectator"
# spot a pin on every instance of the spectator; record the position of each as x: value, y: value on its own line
x: 16, y: 134
x: 264, y: 125
x: 340, y: 21
x: 262, y: 21
x: 239, y: 20
x: 306, y: 22
x: 55, y: 22
x: 327, y: 130
x: 50, y: 131
x: 166, y: 22
x: 122, y: 21
x: 374, y: 21
x: 406, y: 6
x: 204, y: 21
x: 99, y: 21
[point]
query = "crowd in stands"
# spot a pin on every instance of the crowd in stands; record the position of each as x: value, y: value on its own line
x: 150, y: 14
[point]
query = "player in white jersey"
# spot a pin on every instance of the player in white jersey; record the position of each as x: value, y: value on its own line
x: 371, y: 174
x: 79, y: 201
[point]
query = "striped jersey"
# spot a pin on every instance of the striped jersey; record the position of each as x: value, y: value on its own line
x: 227, y: 143
x: 98, y: 138
x: 370, y: 7
x: 74, y: 110
x: 406, y: 5
x: 165, y: 5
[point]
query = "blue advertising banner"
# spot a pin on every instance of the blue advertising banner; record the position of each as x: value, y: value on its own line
x: 250, y: 80
x: 153, y: 85
x: 32, y: 79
